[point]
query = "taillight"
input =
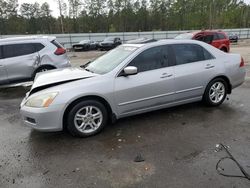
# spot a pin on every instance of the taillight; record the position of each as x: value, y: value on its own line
x: 242, y: 63
x: 60, y: 51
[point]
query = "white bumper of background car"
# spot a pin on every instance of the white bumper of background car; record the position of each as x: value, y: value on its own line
x: 43, y: 119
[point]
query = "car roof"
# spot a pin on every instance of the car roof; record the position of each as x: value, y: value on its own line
x: 27, y: 38
x: 164, y: 42
x: 208, y: 31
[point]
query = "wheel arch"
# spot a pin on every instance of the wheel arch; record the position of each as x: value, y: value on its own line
x: 224, y: 47
x: 40, y: 67
x: 229, y: 89
x: 111, y: 114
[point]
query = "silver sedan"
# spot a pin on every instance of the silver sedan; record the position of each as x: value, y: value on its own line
x: 129, y: 80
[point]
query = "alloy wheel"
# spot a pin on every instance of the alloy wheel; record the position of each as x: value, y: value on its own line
x: 88, y: 119
x: 217, y: 92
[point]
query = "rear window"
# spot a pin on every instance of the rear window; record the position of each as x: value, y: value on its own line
x: 57, y: 44
x: 189, y: 53
x: 15, y: 50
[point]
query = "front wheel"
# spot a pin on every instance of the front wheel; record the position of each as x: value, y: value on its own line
x: 42, y: 69
x: 87, y: 118
x: 215, y: 92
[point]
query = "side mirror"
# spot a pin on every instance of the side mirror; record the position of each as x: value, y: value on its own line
x: 130, y: 70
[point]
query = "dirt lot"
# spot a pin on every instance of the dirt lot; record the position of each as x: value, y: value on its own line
x: 177, y: 145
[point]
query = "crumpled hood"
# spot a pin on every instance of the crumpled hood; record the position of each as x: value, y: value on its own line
x: 59, y: 76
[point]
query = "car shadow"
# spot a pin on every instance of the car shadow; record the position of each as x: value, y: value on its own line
x: 147, y: 125
x: 13, y: 92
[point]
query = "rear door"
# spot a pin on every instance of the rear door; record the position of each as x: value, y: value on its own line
x: 153, y: 86
x: 217, y: 42
x: 20, y: 60
x: 194, y: 66
x: 3, y: 72
x: 221, y: 42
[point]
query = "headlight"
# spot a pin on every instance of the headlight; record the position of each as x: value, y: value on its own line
x: 41, y: 101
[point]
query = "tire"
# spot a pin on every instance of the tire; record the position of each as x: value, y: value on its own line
x: 42, y: 69
x: 224, y: 49
x: 219, y: 87
x: 81, y: 120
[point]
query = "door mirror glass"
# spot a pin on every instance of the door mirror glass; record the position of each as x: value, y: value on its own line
x: 130, y: 70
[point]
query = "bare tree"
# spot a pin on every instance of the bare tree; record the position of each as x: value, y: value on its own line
x: 74, y: 8
x: 62, y: 10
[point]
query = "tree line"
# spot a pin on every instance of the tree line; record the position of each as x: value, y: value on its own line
x: 84, y: 16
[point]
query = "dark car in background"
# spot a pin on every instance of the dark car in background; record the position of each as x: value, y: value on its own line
x: 218, y: 39
x: 110, y: 43
x: 85, y: 45
x: 233, y: 37
x: 142, y: 40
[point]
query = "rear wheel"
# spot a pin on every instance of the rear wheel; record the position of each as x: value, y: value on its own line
x: 87, y: 118
x: 215, y: 92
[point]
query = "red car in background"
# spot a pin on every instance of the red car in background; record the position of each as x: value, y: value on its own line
x: 218, y: 39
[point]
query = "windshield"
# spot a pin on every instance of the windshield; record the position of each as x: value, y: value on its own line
x: 84, y: 41
x: 110, y: 60
x: 184, y: 36
x: 109, y: 39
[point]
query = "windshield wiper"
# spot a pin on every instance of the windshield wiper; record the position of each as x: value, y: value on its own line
x: 85, y: 65
x: 89, y: 70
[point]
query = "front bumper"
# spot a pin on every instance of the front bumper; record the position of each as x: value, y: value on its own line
x: 43, y: 119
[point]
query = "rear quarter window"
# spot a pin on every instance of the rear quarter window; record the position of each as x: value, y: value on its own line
x: 221, y: 36
x: 38, y: 46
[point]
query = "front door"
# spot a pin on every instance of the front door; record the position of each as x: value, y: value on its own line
x: 152, y: 87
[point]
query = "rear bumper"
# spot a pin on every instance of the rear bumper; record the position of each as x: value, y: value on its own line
x: 64, y: 64
x: 239, y: 79
x: 43, y: 119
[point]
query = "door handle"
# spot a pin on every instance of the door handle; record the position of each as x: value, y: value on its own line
x: 166, y: 75
x: 209, y: 66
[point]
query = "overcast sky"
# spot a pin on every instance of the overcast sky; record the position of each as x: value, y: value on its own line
x: 53, y: 5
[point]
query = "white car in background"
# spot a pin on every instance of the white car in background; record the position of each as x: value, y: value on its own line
x: 21, y: 58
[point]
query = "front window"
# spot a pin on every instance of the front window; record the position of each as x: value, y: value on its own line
x: 152, y: 59
x: 110, y: 60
